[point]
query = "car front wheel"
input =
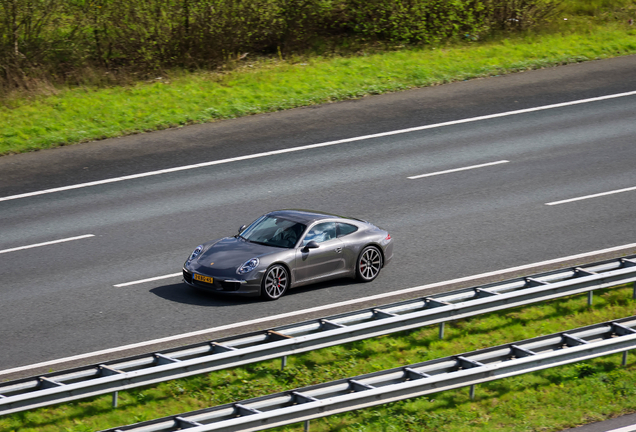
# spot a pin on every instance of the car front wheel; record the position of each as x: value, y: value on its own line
x: 275, y: 282
x: 369, y: 264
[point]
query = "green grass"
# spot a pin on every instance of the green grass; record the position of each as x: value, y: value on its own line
x: 265, y: 85
x: 548, y: 400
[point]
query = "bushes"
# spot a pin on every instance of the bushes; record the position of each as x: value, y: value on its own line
x: 60, y: 40
x: 415, y: 20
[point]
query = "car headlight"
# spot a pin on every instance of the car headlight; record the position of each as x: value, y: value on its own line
x: 248, y: 266
x: 195, y: 253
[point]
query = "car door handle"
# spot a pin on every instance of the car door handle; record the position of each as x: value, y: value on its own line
x: 338, y: 249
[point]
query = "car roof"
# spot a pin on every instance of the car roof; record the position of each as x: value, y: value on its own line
x: 307, y: 216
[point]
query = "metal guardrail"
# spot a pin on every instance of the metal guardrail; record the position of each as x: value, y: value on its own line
x: 415, y: 380
x: 64, y: 386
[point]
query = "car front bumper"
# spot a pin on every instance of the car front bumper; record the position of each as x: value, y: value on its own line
x: 223, y: 285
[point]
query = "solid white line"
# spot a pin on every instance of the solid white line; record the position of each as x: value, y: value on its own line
x: 457, y: 169
x: 313, y: 146
x: 315, y: 309
x: 631, y: 428
x: 47, y: 243
x: 592, y: 196
x: 148, y: 280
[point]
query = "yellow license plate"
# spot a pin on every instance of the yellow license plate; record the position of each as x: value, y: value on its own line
x: 201, y: 278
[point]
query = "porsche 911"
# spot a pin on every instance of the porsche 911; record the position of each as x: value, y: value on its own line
x: 285, y: 249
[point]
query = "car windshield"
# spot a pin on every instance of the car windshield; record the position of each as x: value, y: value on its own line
x: 274, y: 231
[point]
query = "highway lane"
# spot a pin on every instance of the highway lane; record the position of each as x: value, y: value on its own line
x: 61, y: 299
x: 322, y: 123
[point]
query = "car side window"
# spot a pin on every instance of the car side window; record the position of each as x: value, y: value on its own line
x: 345, y: 229
x: 321, y: 233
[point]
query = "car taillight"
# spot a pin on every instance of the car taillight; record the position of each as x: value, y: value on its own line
x: 388, y: 237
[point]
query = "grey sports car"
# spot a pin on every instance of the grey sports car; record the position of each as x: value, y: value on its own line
x: 286, y: 249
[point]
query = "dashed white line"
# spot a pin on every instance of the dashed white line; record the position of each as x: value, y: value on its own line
x: 46, y: 243
x: 313, y: 146
x: 591, y: 196
x: 458, y: 169
x: 147, y: 280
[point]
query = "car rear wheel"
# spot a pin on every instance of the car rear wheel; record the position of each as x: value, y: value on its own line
x: 369, y: 264
x: 275, y: 282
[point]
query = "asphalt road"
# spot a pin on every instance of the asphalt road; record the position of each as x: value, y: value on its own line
x: 61, y: 299
x: 626, y: 423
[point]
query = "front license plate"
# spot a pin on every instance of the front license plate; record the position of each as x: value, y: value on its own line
x: 201, y: 278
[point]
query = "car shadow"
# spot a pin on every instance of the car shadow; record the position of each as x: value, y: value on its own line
x: 182, y: 293
x: 336, y: 283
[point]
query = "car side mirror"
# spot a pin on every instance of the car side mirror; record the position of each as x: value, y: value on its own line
x: 311, y: 245
x: 242, y: 228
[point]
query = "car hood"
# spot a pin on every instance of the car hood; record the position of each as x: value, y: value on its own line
x: 230, y: 253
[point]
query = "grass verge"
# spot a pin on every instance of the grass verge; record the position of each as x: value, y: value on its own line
x: 548, y: 400
x: 84, y: 114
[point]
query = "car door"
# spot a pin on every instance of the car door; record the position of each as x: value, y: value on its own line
x: 321, y: 262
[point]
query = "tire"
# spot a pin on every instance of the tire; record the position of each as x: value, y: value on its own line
x: 369, y: 264
x: 275, y: 282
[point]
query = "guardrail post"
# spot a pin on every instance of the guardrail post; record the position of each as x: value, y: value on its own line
x: 590, y: 298
x: 441, y: 330
x: 306, y: 425
x: 625, y: 358
x: 472, y: 392
x: 115, y: 399
x: 283, y: 362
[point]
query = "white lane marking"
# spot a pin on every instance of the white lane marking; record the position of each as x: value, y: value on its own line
x: 313, y: 146
x: 47, y: 243
x: 457, y: 169
x: 315, y: 309
x: 592, y: 196
x: 148, y: 280
x: 631, y: 428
